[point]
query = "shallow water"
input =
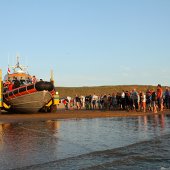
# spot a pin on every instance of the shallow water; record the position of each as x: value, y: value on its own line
x: 102, y: 143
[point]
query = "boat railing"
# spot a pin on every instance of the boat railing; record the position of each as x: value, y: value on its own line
x: 19, y: 90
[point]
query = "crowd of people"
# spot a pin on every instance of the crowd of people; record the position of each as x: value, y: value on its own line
x: 9, y: 84
x: 151, y: 100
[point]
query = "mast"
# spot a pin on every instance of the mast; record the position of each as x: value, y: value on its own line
x: 19, y: 70
x: 18, y: 66
x: 52, y: 77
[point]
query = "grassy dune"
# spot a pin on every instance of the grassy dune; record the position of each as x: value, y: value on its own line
x: 98, y: 90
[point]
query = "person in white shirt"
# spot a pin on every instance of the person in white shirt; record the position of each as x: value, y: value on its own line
x: 123, y: 100
x: 143, y: 101
x: 94, y: 99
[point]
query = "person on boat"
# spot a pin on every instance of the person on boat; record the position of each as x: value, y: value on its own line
x: 34, y: 79
x: 29, y: 81
x: 10, y: 87
x: 6, y: 85
x: 16, y: 83
x: 22, y: 81
x: 13, y: 80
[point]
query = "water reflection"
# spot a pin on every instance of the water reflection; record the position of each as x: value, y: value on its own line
x: 53, y: 125
x: 37, y: 142
x: 162, y: 121
x: 27, y: 143
x: 154, y: 121
x: 3, y: 127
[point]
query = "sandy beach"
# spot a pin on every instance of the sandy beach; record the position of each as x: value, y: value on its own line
x: 72, y: 114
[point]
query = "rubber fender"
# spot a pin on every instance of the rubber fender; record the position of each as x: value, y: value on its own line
x: 44, y: 85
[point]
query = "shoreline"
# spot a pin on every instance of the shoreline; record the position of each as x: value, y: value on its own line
x: 6, y: 117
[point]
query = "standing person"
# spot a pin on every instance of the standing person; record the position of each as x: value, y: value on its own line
x: 123, y: 100
x: 105, y: 102
x: 109, y: 99
x: 69, y: 99
x: 118, y: 98
x: 65, y: 102
x: 99, y: 102
x: 71, y: 104
x: 167, y: 97
x: 140, y: 100
x: 82, y: 98
x: 160, y: 97
x: 90, y: 101
x: 135, y: 98
x: 87, y: 103
x: 34, y: 79
x: 131, y: 101
x: 143, y: 101
x: 114, y: 101
x: 153, y: 101
x: 77, y: 100
x: 148, y: 100
x: 127, y: 100
x: 94, y: 99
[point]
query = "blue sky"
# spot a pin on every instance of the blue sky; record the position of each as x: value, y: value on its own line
x: 88, y: 42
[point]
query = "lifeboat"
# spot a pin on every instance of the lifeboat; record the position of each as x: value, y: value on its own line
x: 28, y: 97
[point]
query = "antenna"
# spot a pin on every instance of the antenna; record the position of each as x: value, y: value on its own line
x: 17, y: 61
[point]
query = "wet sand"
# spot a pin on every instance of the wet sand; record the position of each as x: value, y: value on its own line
x: 71, y: 114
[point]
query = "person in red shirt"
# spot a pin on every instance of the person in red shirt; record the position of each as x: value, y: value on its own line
x: 160, y: 97
x: 10, y: 87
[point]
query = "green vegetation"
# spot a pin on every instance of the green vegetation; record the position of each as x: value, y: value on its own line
x: 98, y: 90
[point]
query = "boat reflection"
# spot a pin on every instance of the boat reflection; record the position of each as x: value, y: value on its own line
x: 28, y: 134
x: 53, y: 125
x: 3, y: 127
x: 26, y: 142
